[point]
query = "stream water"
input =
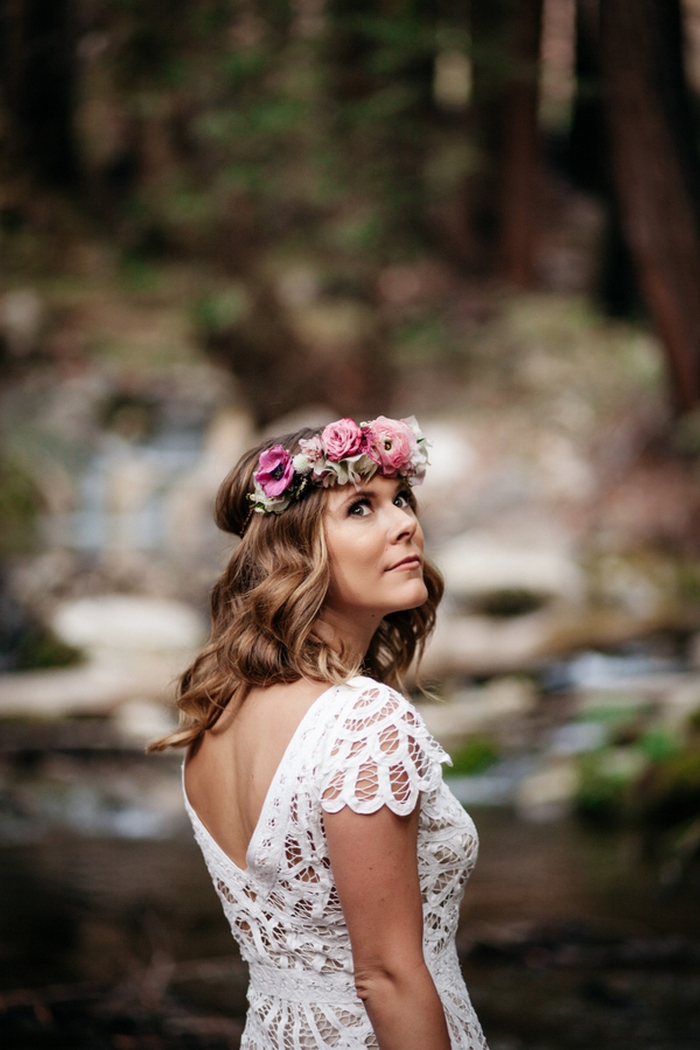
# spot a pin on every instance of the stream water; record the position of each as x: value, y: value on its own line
x: 112, y: 935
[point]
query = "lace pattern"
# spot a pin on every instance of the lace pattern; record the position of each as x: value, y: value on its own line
x: 361, y: 745
x: 381, y: 754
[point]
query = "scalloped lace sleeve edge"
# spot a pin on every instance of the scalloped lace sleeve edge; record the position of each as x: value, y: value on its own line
x: 412, y: 766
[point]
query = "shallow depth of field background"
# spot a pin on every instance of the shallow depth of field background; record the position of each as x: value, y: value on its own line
x: 221, y: 220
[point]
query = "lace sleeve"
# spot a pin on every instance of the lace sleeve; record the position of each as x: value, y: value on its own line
x: 379, y: 753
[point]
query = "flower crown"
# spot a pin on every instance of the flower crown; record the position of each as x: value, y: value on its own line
x: 341, y: 453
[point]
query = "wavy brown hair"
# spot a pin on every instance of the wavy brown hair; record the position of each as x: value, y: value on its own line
x: 266, y: 603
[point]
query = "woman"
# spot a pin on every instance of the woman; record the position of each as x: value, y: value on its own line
x: 314, y: 788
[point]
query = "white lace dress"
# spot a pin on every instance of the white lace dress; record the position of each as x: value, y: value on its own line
x: 361, y: 745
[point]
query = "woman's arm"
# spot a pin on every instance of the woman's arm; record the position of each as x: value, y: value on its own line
x: 374, y: 863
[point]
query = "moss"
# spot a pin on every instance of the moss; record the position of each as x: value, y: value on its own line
x: 509, y: 601
x: 19, y: 502
x: 689, y: 581
x: 681, y: 773
x: 475, y: 756
x: 621, y: 716
x: 215, y: 314
x: 605, y: 783
x: 39, y: 648
x: 657, y: 745
x: 670, y: 793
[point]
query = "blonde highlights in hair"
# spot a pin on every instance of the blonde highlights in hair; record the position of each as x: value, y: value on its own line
x: 266, y: 603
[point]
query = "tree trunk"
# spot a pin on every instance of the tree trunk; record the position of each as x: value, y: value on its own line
x: 653, y: 175
x: 520, y: 156
x: 589, y: 166
x: 499, y: 215
x: 37, y: 73
x: 588, y: 142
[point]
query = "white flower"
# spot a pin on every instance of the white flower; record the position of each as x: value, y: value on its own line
x: 263, y: 504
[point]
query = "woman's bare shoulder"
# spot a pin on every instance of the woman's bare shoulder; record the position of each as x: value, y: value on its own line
x: 228, y: 776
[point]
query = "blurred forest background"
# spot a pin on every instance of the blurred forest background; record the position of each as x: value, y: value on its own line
x: 219, y: 218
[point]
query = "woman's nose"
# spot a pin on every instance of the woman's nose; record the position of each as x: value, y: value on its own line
x: 403, y: 522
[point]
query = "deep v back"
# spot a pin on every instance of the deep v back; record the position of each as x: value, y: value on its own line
x: 267, y: 797
x: 364, y: 746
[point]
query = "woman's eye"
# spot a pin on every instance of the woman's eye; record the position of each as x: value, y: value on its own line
x: 402, y: 500
x: 360, y: 508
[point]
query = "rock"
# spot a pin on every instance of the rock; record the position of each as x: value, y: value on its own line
x: 298, y: 287
x: 680, y: 702
x: 96, y: 688
x: 477, y: 563
x: 643, y: 584
x: 451, y: 456
x: 475, y: 710
x: 128, y: 623
x: 21, y: 320
x: 576, y: 738
x: 621, y: 763
x: 140, y: 720
x: 483, y: 645
x: 136, y: 649
x: 547, y: 793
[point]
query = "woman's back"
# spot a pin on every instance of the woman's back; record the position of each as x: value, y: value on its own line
x: 229, y: 774
x: 362, y: 746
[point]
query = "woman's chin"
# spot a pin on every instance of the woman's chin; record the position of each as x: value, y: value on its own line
x: 413, y: 598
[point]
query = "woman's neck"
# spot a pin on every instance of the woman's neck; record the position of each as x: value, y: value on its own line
x: 347, y: 633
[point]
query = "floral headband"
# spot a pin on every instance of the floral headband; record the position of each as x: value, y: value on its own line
x: 343, y: 452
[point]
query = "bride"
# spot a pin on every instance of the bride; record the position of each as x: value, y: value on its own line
x: 314, y: 788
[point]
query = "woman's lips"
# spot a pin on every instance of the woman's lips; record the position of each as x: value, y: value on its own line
x: 411, y: 562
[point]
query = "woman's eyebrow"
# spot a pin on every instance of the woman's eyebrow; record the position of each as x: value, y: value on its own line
x: 367, y: 491
x: 354, y: 493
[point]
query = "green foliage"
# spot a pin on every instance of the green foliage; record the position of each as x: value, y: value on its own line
x: 509, y: 601
x: 657, y: 745
x: 652, y: 779
x: 421, y: 339
x: 475, y: 756
x: 689, y: 581
x: 617, y: 713
x: 139, y: 275
x: 605, y: 780
x: 39, y: 648
x: 243, y: 68
x: 672, y: 792
x: 680, y: 773
x: 217, y: 314
x: 325, y: 137
x: 393, y: 45
x: 19, y: 502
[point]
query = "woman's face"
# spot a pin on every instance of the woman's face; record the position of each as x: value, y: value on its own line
x: 375, y: 547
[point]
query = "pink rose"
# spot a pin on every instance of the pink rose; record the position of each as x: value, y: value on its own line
x: 367, y: 440
x: 342, y: 439
x: 392, y: 445
x: 275, y: 471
